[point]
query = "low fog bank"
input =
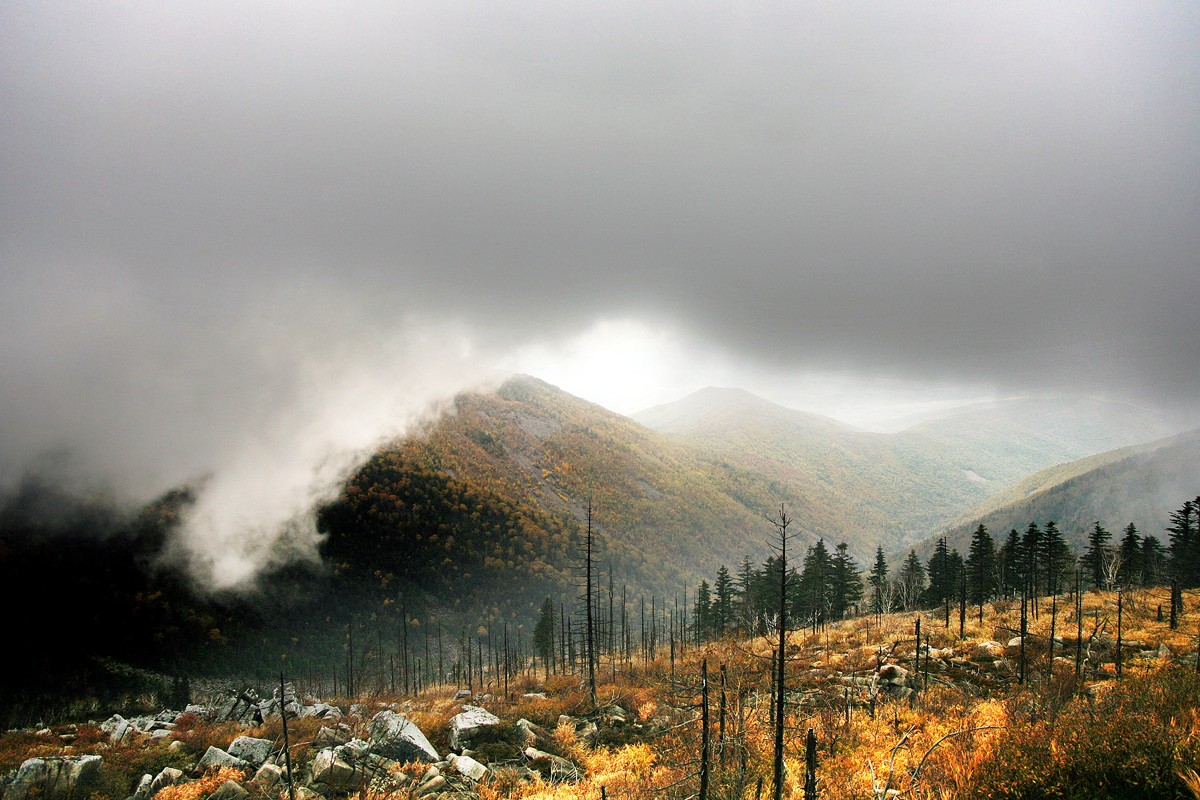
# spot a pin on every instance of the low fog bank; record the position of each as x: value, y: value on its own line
x: 260, y: 417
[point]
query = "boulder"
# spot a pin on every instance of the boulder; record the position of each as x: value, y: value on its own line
x: 54, y: 778
x: 395, y: 736
x: 467, y: 767
x: 893, y: 675
x: 434, y: 784
x: 117, y: 727
x: 332, y: 737
x: 556, y: 768
x: 332, y: 771
x: 268, y: 775
x: 462, y: 694
x: 988, y: 651
x: 533, y: 735
x: 614, y: 715
x: 230, y: 790
x: 253, y: 751
x: 215, y: 757
x: 168, y: 777
x: 142, y: 792
x: 471, y: 725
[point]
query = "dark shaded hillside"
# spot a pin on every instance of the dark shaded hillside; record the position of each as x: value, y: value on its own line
x: 869, y: 488
x: 1140, y: 484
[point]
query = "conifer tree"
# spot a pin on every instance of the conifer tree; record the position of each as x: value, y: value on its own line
x: 702, y: 613
x: 1011, y: 565
x: 723, y: 603
x: 1096, y: 555
x: 1129, y: 570
x: 845, y: 579
x: 543, y: 635
x: 941, y: 575
x: 981, y: 567
x: 1031, y: 552
x: 814, y: 593
x: 1055, y: 557
x: 1183, y: 544
x: 912, y: 581
x: 878, y: 581
x: 1153, y: 562
x: 746, y: 597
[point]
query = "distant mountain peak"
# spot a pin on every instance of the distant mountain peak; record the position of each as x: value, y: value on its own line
x: 717, y: 405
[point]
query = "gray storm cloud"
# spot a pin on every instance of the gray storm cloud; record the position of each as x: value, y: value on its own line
x: 214, y: 216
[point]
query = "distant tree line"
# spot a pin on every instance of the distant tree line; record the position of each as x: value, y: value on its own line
x: 828, y: 586
x: 1036, y: 561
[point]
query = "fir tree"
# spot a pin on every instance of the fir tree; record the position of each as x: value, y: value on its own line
x: 1031, y: 551
x: 723, y: 602
x: 846, y: 588
x: 1129, y: 570
x: 1055, y: 557
x: 702, y: 614
x: 814, y: 590
x: 1183, y: 544
x: 1154, y: 558
x: 543, y: 634
x: 1010, y: 564
x: 941, y: 575
x: 981, y: 566
x: 912, y: 581
x: 1096, y: 556
x: 878, y: 580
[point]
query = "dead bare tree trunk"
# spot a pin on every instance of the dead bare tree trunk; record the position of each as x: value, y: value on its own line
x: 591, y: 631
x: 704, y: 746
x: 810, y: 766
x: 781, y: 525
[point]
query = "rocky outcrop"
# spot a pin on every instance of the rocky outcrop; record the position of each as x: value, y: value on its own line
x: 56, y: 778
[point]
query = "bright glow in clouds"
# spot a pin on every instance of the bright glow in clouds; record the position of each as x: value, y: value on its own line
x: 627, y: 366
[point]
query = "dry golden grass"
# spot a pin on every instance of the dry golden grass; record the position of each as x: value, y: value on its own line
x: 973, y: 732
x: 202, y: 787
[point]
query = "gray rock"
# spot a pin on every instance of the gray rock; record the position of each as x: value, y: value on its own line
x: 467, y: 767
x: 322, y: 711
x: 253, y: 751
x: 334, y: 772
x: 533, y: 735
x: 215, y: 757
x: 332, y: 737
x: 434, y: 784
x: 353, y: 750
x: 142, y: 792
x: 117, y: 727
x: 54, y: 778
x: 989, y: 651
x: 230, y: 790
x: 394, y: 736
x: 462, y: 694
x: 556, y: 768
x: 470, y: 725
x: 268, y: 775
x: 168, y: 777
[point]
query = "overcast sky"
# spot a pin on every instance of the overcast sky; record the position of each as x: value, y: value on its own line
x: 231, y: 229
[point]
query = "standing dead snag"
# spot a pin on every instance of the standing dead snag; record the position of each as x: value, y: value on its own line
x: 704, y: 746
x: 287, y: 749
x: 781, y: 523
x: 810, y: 766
